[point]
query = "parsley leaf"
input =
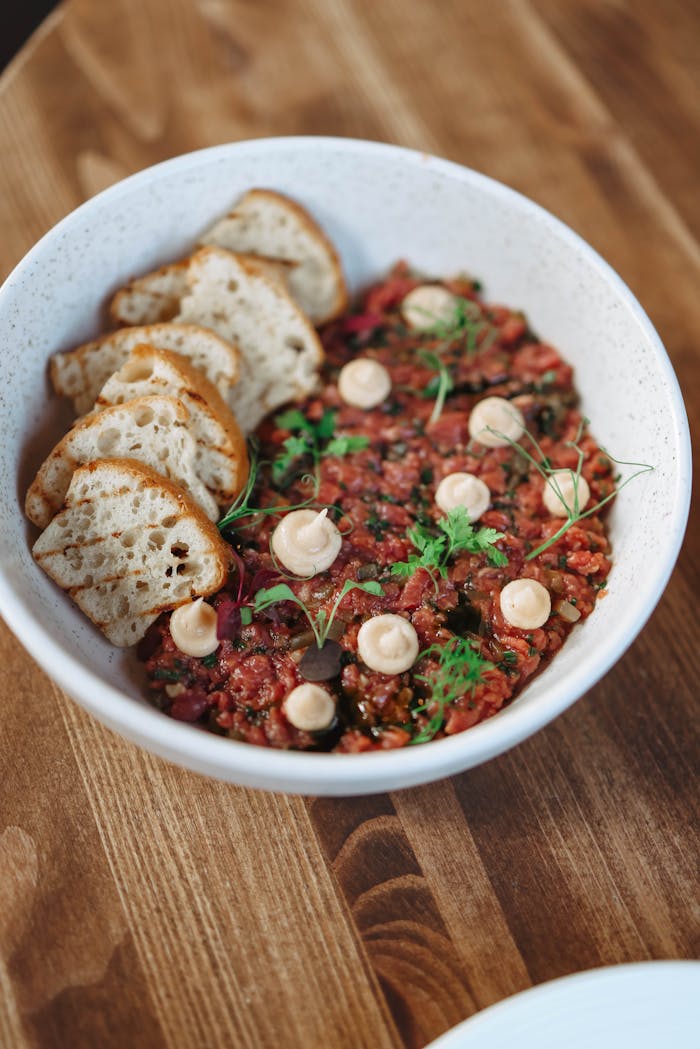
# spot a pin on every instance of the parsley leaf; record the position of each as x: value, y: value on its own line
x: 457, y: 534
x: 314, y: 440
x: 462, y: 535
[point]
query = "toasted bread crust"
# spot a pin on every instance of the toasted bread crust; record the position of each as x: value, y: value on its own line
x: 315, y: 231
x: 259, y: 271
x: 113, y: 599
x: 47, y: 492
x: 198, y: 389
x: 164, y: 305
x: 233, y: 232
x: 81, y: 372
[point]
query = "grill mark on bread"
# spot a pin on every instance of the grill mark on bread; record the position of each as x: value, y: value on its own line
x: 119, y: 602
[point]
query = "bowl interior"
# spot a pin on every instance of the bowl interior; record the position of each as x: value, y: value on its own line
x: 378, y: 204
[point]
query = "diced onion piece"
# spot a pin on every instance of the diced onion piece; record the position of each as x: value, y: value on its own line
x: 525, y: 604
x: 462, y: 489
x: 309, y: 708
x: 193, y: 628
x: 364, y: 383
x: 388, y: 644
x: 498, y: 414
x: 561, y: 491
x: 569, y: 612
x: 306, y: 542
x: 428, y: 305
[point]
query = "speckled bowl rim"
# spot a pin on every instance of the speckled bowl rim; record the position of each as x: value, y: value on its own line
x: 330, y: 774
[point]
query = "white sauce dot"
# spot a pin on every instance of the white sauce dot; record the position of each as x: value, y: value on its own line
x: 364, y: 383
x: 500, y: 415
x: 309, y: 708
x: 388, y: 644
x: 568, y: 491
x: 525, y: 604
x: 193, y: 628
x: 462, y: 489
x: 428, y: 305
x: 306, y: 542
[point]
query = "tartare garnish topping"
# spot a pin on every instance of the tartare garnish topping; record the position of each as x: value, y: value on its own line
x: 364, y: 383
x: 495, y: 422
x: 465, y: 324
x: 544, y: 467
x: 193, y: 628
x: 241, y: 506
x: 320, y: 664
x: 438, y: 387
x: 321, y: 621
x: 456, y: 533
x: 309, y: 708
x: 525, y: 604
x: 388, y: 644
x: 463, y: 489
x: 311, y: 441
x: 565, y: 493
x: 460, y: 668
x: 428, y: 305
x: 306, y: 542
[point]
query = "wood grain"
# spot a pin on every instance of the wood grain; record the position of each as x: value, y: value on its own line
x: 142, y: 905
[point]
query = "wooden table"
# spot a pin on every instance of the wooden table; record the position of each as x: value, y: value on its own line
x: 141, y: 905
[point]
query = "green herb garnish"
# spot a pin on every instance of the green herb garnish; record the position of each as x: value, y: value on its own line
x: 166, y: 674
x: 466, y: 325
x: 547, y: 472
x: 438, y: 387
x: 460, y: 669
x: 456, y: 533
x: 321, y: 622
x: 241, y: 507
x: 312, y: 440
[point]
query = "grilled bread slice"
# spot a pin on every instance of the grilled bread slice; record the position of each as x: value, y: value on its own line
x: 151, y: 430
x: 267, y: 223
x: 152, y: 298
x: 155, y: 297
x: 280, y: 350
x: 221, y: 458
x: 128, y: 545
x: 81, y: 373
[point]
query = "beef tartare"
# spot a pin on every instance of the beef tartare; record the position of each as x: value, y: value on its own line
x: 442, y: 535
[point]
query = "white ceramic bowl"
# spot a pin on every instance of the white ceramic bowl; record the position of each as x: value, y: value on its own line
x: 378, y: 203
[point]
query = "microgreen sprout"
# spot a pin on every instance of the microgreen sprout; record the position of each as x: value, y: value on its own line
x: 438, y: 387
x: 460, y: 669
x: 241, y: 507
x: 574, y: 513
x: 322, y: 621
x: 467, y: 325
x: 456, y: 533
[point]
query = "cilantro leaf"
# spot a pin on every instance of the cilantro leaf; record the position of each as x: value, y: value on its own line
x: 462, y: 535
x: 340, y: 446
x: 457, y: 534
x: 326, y: 424
x: 293, y: 419
x: 294, y: 448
